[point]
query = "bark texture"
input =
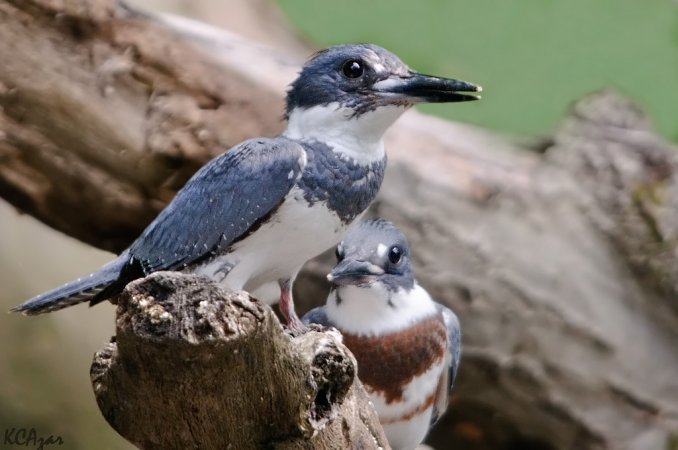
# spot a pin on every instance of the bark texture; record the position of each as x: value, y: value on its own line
x: 561, y: 258
x: 101, y: 105
x: 195, y: 367
x: 564, y: 275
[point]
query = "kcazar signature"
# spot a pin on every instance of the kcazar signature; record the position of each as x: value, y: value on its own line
x: 28, y: 437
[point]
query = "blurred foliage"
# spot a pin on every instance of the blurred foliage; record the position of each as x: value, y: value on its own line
x: 533, y: 57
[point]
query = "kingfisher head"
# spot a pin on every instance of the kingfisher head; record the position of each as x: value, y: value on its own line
x: 373, y: 253
x: 374, y: 290
x: 350, y: 94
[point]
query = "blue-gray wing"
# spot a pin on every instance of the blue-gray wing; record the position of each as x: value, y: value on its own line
x: 317, y: 315
x: 452, y: 357
x: 222, y: 203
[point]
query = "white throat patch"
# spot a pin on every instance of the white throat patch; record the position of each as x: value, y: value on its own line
x: 360, y: 138
x: 366, y: 311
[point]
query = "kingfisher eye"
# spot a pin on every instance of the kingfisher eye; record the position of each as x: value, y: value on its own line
x: 395, y: 254
x: 339, y: 252
x: 352, y: 68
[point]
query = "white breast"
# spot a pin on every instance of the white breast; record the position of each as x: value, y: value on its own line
x: 405, y: 422
x: 277, y: 250
x: 365, y: 311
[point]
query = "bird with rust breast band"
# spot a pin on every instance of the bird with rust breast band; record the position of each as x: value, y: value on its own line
x: 407, y: 346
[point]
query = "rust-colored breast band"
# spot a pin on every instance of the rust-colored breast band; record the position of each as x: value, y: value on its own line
x: 410, y: 414
x: 388, y: 363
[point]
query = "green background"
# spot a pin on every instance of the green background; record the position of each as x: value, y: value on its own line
x: 532, y: 57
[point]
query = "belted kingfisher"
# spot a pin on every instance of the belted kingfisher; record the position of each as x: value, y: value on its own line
x: 251, y: 217
x: 407, y: 345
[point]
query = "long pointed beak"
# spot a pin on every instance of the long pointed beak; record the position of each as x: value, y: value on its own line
x: 353, y: 272
x: 420, y: 88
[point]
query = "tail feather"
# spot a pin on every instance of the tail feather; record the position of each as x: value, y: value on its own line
x: 78, y: 291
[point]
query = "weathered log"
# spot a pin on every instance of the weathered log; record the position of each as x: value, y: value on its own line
x: 561, y: 263
x: 105, y: 113
x: 565, y: 284
x: 195, y: 366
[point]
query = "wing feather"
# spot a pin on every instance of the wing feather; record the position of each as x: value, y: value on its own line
x: 452, y: 357
x: 317, y: 315
x: 223, y: 202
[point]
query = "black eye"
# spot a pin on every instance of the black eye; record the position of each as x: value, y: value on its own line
x: 395, y: 254
x: 352, y: 68
x: 339, y: 252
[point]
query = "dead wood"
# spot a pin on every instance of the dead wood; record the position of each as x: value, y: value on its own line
x: 193, y: 366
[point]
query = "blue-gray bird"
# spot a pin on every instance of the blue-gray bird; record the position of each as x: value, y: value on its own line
x: 407, y: 346
x: 251, y: 217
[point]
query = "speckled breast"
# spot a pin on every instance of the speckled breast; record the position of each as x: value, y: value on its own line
x: 345, y: 186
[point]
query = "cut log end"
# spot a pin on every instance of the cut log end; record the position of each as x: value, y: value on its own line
x: 196, y: 366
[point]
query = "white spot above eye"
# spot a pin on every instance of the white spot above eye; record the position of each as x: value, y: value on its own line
x: 378, y: 67
x: 381, y: 250
x: 290, y: 175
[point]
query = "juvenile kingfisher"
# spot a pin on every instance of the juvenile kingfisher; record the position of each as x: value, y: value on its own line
x: 407, y: 346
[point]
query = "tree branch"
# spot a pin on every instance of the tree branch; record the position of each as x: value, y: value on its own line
x: 120, y: 113
x: 194, y: 366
